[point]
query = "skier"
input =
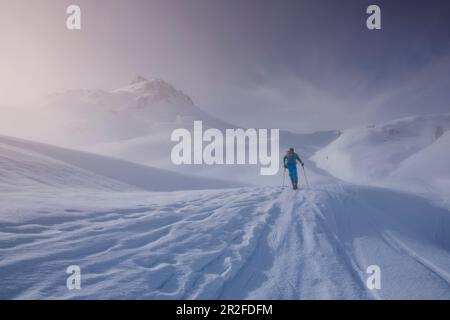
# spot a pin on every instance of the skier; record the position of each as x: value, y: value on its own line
x: 290, y: 163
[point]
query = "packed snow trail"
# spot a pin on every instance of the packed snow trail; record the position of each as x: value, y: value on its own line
x: 305, y: 262
x: 261, y: 243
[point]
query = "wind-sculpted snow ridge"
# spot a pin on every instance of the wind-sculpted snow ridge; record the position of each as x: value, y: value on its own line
x: 408, y: 154
x: 32, y: 165
x: 259, y: 243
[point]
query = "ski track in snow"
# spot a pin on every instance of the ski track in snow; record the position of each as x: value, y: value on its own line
x: 250, y: 243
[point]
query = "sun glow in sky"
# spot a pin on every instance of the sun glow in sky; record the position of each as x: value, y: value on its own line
x: 301, y: 65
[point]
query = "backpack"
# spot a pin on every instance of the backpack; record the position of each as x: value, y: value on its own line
x: 291, y: 159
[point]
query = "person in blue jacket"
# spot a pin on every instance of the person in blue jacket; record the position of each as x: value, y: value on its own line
x: 290, y: 163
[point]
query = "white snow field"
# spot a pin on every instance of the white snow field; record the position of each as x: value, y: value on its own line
x: 58, y: 208
x: 23, y: 163
x: 408, y: 154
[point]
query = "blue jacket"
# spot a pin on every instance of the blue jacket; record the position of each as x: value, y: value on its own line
x: 291, y: 158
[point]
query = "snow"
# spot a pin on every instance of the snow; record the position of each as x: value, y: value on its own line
x: 141, y: 150
x: 406, y: 154
x: 134, y: 123
x: 378, y: 196
x: 258, y: 243
x: 428, y: 168
x: 60, y: 209
x: 24, y: 163
x: 89, y: 117
x: 155, y: 89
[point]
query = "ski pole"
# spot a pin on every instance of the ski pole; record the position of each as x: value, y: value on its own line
x: 284, y: 177
x: 306, y: 179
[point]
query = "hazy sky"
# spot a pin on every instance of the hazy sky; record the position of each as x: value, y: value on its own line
x: 299, y: 65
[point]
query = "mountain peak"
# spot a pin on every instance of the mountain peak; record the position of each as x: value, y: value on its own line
x: 152, y: 82
x: 139, y: 79
x: 155, y: 89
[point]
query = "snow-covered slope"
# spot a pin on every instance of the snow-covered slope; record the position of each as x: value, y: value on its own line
x: 60, y: 207
x: 406, y: 153
x: 259, y: 243
x: 428, y: 168
x: 142, y: 108
x: 87, y: 117
x: 21, y: 169
x: 135, y: 123
x: 142, y: 150
x: 25, y: 164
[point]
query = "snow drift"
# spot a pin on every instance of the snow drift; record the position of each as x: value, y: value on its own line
x: 32, y: 164
x: 409, y: 153
x: 250, y: 243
